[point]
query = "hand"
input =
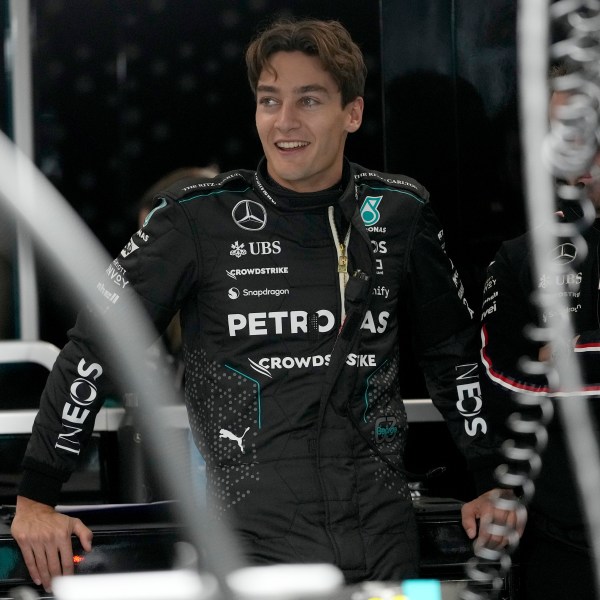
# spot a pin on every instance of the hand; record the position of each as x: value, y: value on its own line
x: 44, y: 537
x: 483, y: 512
x: 546, y: 352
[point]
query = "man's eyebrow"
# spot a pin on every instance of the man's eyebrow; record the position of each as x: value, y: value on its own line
x: 266, y: 88
x: 313, y: 87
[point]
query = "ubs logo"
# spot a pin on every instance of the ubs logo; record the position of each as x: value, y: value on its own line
x: 249, y: 215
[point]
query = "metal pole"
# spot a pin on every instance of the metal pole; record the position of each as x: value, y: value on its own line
x: 19, y: 62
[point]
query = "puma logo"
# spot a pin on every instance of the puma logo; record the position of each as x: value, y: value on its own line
x: 224, y: 433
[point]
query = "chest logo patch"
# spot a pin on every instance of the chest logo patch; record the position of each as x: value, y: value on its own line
x: 225, y: 433
x: 385, y: 429
x: 249, y: 215
x: 564, y: 254
x: 369, y: 210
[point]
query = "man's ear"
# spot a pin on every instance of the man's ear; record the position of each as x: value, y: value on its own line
x: 355, y: 113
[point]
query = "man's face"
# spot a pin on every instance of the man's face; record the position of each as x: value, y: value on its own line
x: 591, y: 179
x: 301, y: 122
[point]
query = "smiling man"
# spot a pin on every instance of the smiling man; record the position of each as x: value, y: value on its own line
x: 296, y: 283
x: 303, y: 122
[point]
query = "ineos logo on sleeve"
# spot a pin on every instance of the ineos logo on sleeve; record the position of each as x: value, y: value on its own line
x: 83, y: 392
x: 249, y: 215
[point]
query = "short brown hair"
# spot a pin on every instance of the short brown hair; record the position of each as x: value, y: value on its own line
x: 327, y: 40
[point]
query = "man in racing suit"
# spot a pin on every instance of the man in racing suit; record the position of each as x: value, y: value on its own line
x: 296, y: 284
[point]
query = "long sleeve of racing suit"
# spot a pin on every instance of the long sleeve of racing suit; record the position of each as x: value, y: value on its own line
x: 81, y: 378
x: 587, y: 346
x: 446, y: 344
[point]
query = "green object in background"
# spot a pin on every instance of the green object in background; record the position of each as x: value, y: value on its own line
x: 422, y: 589
x: 9, y: 558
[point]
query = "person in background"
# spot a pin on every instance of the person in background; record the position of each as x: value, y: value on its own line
x: 296, y: 284
x: 555, y: 560
x: 171, y: 339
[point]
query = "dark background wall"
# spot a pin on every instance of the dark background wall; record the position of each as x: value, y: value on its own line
x: 449, y: 71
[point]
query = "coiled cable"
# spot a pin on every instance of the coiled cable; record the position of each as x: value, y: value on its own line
x: 567, y: 150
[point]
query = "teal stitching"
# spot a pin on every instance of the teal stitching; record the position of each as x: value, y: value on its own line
x: 161, y: 205
x: 367, y: 388
x: 258, y: 385
x: 212, y: 194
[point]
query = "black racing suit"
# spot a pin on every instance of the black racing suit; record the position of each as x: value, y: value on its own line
x: 291, y: 366
x: 555, y: 515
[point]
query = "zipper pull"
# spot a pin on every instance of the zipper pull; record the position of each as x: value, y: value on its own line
x: 342, y: 260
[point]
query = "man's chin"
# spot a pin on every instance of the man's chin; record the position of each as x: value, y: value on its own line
x: 293, y: 179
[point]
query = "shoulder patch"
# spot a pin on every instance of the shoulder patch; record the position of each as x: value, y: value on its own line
x: 392, y: 181
x: 230, y: 180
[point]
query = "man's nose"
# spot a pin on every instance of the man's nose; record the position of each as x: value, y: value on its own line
x: 287, y: 117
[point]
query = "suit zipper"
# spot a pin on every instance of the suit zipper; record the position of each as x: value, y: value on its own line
x: 342, y: 260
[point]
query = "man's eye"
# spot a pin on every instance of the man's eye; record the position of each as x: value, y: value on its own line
x: 309, y: 101
x: 267, y: 101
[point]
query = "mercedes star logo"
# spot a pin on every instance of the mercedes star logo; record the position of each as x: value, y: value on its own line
x: 249, y: 215
x: 564, y: 254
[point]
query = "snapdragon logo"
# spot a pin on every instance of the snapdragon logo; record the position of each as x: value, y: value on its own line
x: 234, y: 293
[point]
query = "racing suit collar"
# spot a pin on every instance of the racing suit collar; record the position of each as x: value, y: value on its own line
x: 285, y: 198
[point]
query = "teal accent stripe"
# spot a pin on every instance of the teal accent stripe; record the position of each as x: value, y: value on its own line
x: 386, y: 189
x: 257, y: 385
x: 161, y: 205
x: 367, y: 388
x: 183, y: 200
